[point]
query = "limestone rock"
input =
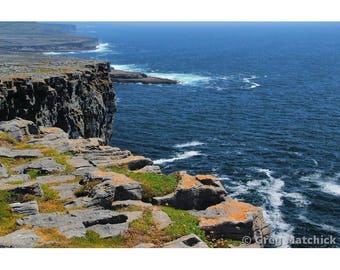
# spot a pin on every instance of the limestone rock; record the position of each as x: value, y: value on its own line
x: 19, y: 239
x: 55, y: 178
x: 90, y: 217
x: 18, y: 128
x: 116, y: 205
x: 26, y: 208
x: 109, y: 230
x: 29, y: 188
x: 43, y: 165
x: 188, y: 241
x: 114, y: 187
x: 161, y: 218
x: 18, y: 177
x: 66, y: 191
x: 233, y: 220
x: 78, y: 162
x: 13, y: 153
x: 3, y: 171
x: 193, y: 192
x: 150, y: 169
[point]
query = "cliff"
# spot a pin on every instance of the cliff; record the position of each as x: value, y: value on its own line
x: 75, y: 95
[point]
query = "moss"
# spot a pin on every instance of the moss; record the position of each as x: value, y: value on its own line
x: 153, y: 185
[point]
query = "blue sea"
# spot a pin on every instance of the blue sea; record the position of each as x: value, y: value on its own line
x: 258, y: 106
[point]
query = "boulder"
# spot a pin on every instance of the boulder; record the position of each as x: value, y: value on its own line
x: 161, y: 218
x: 114, y: 187
x: 19, y: 239
x: 90, y: 217
x: 26, y: 208
x: 18, y: 128
x: 233, y: 220
x: 44, y: 165
x: 188, y: 241
x: 109, y: 230
x: 13, y: 153
x: 150, y: 169
x: 18, y: 191
x: 193, y: 192
x: 3, y: 171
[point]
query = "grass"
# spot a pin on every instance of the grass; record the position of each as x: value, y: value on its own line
x: 182, y: 224
x: 153, y: 185
x: 51, y: 201
x: 7, y: 218
x: 33, y: 174
x: 16, y: 182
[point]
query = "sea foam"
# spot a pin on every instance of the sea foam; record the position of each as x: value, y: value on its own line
x: 188, y: 144
x: 101, y: 47
x: 178, y: 156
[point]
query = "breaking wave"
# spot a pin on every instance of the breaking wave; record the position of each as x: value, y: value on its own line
x: 178, y: 156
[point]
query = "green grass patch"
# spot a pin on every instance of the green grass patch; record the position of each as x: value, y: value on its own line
x: 7, y: 218
x: 33, y: 174
x: 153, y: 185
x: 85, y: 189
x: 183, y: 223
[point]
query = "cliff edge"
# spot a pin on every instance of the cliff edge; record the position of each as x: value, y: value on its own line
x: 75, y: 95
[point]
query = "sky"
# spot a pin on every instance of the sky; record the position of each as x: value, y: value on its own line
x: 171, y: 10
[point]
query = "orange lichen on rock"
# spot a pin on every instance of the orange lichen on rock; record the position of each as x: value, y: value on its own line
x: 229, y: 210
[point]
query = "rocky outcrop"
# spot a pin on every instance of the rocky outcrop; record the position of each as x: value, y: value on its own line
x: 19, y: 239
x: 233, y: 220
x: 81, y: 101
x: 188, y: 241
x: 122, y: 76
x: 194, y: 192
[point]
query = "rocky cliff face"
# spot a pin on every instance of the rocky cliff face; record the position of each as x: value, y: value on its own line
x: 81, y: 100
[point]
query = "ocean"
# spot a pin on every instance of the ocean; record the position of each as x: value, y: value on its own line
x: 258, y: 106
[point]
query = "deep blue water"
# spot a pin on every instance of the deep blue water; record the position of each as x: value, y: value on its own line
x: 259, y: 107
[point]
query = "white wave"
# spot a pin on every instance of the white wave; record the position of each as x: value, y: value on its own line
x: 178, y: 156
x: 331, y: 188
x: 327, y: 184
x: 183, y: 78
x: 273, y: 193
x: 248, y: 80
x: 128, y: 67
x: 101, y: 47
x: 297, y: 198
x: 188, y: 144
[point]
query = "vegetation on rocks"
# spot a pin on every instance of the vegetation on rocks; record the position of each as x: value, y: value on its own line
x: 153, y: 185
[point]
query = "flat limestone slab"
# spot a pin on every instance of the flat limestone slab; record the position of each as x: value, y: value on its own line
x: 19, y: 239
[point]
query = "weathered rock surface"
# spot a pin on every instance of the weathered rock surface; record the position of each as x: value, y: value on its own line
x: 43, y: 165
x: 233, y: 220
x: 24, y: 189
x: 26, y: 208
x: 16, y: 128
x: 18, y: 177
x: 13, y: 153
x: 3, y: 171
x: 116, y: 205
x: 55, y: 178
x: 188, y: 241
x: 145, y: 245
x: 161, y: 218
x: 150, y: 169
x: 19, y: 239
x: 114, y: 187
x: 66, y: 191
x: 193, y: 192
